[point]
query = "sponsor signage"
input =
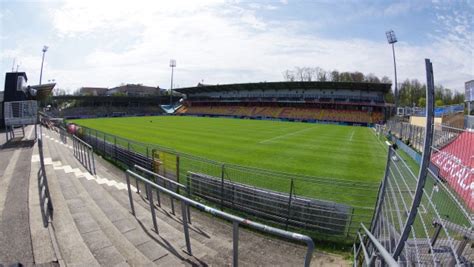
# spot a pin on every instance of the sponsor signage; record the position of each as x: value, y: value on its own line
x: 456, y: 165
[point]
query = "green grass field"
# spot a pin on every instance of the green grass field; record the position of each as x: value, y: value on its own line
x: 321, y: 150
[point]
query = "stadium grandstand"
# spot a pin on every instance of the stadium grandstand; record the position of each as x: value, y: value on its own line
x: 70, y: 107
x: 347, y: 103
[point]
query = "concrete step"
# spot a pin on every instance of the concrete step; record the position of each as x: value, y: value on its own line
x: 42, y: 235
x: 211, y: 238
x: 104, y: 240
x: 169, y: 226
x: 74, y: 250
x: 160, y: 248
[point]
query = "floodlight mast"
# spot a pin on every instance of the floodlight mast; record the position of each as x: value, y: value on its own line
x: 172, y: 65
x: 392, y: 39
x: 45, y: 48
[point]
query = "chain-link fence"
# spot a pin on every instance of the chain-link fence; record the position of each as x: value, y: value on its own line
x: 328, y: 209
x: 424, y: 208
x: 413, y: 135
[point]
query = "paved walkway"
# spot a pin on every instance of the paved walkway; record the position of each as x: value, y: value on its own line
x: 15, y: 236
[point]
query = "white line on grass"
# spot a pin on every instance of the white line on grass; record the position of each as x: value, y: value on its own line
x: 352, y: 134
x: 284, y: 135
x: 381, y: 144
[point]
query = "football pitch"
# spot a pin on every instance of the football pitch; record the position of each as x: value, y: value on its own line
x: 319, y: 150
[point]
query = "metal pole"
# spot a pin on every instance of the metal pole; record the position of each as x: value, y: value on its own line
x: 171, y: 198
x: 185, y: 226
x: 36, y: 133
x: 235, y: 241
x: 128, y: 154
x: 222, y: 186
x: 171, y: 88
x: 41, y: 71
x: 381, y: 196
x: 386, y: 256
x: 289, y: 205
x: 89, y: 163
x: 93, y: 162
x: 152, y: 208
x: 395, y: 69
x: 188, y: 192
x: 424, y: 163
x: 158, y: 194
x: 130, y: 193
x: 177, y: 170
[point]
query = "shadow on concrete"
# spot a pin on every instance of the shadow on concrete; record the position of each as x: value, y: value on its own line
x: 45, y: 198
x: 175, y: 218
x: 165, y: 244
x: 18, y: 143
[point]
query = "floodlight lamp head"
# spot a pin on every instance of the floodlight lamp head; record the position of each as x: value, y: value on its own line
x: 172, y: 63
x: 45, y: 48
x: 391, y: 38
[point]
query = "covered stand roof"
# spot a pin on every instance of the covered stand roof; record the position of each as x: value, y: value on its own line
x: 383, y: 87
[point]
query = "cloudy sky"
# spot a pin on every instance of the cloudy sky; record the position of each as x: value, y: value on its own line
x: 105, y: 43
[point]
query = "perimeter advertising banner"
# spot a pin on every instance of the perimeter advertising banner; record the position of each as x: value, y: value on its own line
x: 469, y: 94
x: 456, y: 165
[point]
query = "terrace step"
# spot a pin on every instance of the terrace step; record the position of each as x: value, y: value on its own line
x: 107, y: 245
x: 163, y: 249
x: 211, y: 238
x: 170, y: 227
x: 74, y: 250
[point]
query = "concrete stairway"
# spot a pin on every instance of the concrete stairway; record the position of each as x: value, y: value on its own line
x: 111, y: 235
x: 94, y: 224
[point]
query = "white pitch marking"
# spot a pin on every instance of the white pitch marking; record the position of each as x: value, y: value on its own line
x: 352, y: 134
x: 57, y: 165
x: 285, y: 135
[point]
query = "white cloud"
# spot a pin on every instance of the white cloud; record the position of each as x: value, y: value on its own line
x: 221, y: 42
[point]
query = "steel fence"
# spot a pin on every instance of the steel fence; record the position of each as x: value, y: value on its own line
x: 236, y: 221
x: 413, y: 135
x: 46, y: 204
x: 423, y: 215
x: 342, y: 204
x: 84, y: 153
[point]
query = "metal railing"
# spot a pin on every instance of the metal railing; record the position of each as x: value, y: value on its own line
x: 84, y: 153
x: 46, y: 203
x: 236, y: 221
x: 382, y: 253
x: 166, y: 183
x: 63, y: 134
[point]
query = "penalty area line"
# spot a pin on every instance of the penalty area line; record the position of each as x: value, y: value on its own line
x: 284, y: 135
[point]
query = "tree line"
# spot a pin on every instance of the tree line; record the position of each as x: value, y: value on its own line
x: 410, y: 92
x: 308, y: 74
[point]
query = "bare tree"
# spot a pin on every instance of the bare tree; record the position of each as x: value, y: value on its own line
x: 371, y: 78
x: 321, y: 74
x: 357, y: 76
x: 335, y: 76
x: 385, y: 79
x: 289, y: 75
